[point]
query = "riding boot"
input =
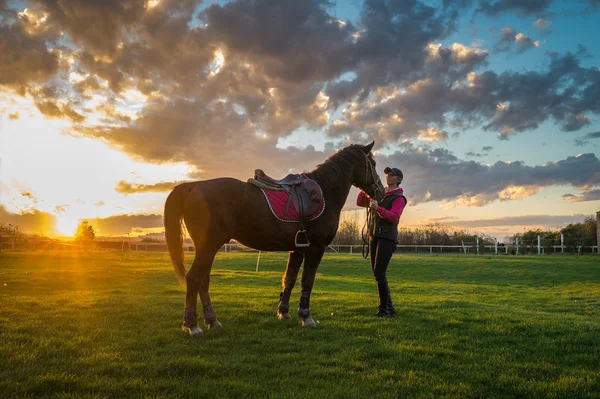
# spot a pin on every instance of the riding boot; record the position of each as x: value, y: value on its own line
x: 390, y: 305
x: 383, y: 291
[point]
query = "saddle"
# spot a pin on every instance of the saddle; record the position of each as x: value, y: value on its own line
x: 304, y: 193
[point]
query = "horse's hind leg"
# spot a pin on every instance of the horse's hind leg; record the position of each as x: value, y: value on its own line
x: 289, y: 280
x: 197, y: 281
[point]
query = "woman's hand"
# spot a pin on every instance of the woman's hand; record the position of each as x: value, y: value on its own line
x: 374, y: 205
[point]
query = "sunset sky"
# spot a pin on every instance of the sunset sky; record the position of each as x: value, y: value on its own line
x: 490, y: 108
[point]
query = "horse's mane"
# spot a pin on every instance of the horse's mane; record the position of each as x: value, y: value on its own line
x: 337, y: 166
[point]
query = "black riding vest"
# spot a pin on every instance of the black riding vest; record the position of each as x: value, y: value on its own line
x: 384, y: 228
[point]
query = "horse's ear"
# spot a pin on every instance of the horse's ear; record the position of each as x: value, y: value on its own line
x: 367, y: 149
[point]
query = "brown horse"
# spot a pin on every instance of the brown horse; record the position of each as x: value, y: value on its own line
x: 216, y: 211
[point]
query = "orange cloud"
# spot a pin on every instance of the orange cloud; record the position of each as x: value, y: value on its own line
x: 131, y: 188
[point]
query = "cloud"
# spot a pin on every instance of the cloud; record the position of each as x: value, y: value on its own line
x: 547, y: 221
x: 30, y: 222
x: 95, y: 25
x: 60, y: 208
x: 29, y: 195
x: 487, y: 148
x: 24, y: 58
x: 520, y: 7
x: 438, y: 175
x: 164, y: 83
x: 132, y: 188
x: 123, y: 224
x: 582, y: 141
x: 588, y: 195
x: 542, y: 25
x: 14, y: 116
x: 507, y: 103
x: 509, y: 38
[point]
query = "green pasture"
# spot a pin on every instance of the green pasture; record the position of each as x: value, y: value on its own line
x: 98, y: 325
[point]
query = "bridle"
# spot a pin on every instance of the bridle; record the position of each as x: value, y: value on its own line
x: 370, y: 217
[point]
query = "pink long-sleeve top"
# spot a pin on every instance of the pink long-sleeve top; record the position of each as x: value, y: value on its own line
x: 393, y: 215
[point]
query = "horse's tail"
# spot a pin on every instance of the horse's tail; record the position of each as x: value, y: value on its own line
x: 173, y: 220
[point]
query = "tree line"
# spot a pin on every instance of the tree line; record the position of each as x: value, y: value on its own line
x: 583, y: 233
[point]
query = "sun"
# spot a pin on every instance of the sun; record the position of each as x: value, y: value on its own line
x: 66, y: 225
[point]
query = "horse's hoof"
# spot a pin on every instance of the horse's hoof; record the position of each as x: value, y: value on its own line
x: 194, y: 330
x: 308, y: 322
x: 213, y: 325
x: 284, y: 316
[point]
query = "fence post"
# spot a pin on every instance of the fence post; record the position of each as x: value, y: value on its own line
x: 598, y: 232
x: 350, y: 249
x: 539, y: 245
x: 430, y: 250
x: 562, y: 243
x: 257, y: 261
x: 496, y: 246
x: 517, y: 245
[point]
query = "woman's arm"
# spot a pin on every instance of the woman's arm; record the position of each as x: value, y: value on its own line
x: 362, y: 199
x: 393, y: 215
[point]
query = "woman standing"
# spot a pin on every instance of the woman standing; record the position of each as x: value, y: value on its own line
x: 384, y: 236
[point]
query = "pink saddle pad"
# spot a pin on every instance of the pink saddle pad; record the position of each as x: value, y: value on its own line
x: 277, y: 201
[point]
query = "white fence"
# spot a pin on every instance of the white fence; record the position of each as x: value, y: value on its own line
x: 357, y: 249
x: 466, y: 248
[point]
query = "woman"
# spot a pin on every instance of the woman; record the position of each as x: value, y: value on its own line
x: 384, y: 236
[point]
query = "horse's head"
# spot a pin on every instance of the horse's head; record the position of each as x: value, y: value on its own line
x: 366, y: 177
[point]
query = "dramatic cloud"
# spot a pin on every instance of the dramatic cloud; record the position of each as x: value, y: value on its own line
x: 131, y: 188
x: 178, y: 81
x: 438, y: 175
x: 24, y: 58
x: 588, y: 195
x: 509, y: 38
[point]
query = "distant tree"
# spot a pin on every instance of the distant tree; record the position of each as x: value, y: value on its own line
x: 85, y: 233
x: 349, y: 231
x: 151, y: 240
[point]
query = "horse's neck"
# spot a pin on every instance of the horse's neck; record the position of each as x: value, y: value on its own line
x: 335, y: 194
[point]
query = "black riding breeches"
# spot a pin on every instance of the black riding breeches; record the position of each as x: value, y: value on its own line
x: 381, y: 253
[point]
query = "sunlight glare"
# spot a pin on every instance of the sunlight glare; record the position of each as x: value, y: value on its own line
x: 66, y: 225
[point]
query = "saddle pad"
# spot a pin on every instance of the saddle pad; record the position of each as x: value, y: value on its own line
x: 277, y: 200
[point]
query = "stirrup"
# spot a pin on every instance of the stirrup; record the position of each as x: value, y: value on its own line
x: 301, y: 244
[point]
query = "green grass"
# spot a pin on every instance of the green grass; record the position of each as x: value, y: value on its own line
x: 102, y: 325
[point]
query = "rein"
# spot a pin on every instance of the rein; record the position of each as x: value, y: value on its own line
x: 371, y: 216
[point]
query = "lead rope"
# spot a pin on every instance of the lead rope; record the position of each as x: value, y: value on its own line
x: 368, y: 226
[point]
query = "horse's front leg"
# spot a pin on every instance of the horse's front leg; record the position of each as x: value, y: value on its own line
x: 312, y: 259
x: 289, y: 280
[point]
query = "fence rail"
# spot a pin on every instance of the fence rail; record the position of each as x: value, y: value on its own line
x: 538, y: 246
x: 125, y: 246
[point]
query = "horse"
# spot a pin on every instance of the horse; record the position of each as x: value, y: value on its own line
x: 218, y: 210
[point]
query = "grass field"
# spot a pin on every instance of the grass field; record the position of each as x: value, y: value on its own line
x: 102, y: 325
